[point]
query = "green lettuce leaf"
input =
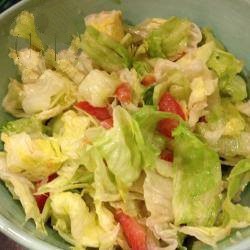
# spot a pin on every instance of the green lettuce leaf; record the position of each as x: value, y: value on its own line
x: 69, y: 130
x: 77, y: 224
x: 227, y: 67
x: 52, y: 92
x: 12, y: 102
x: 70, y: 177
x: 208, y: 36
x: 97, y: 87
x: 143, y: 68
x: 30, y: 126
x: 22, y: 189
x: 107, y: 53
x: 121, y: 148
x: 197, y: 168
x: 237, y: 181
x: 108, y: 22
x: 172, y: 38
x: 35, y: 158
x: 25, y: 28
x: 147, y: 119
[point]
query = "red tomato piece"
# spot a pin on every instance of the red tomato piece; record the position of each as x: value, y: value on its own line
x: 41, y: 198
x: 167, y: 155
x: 166, y: 126
x: 133, y: 231
x: 123, y: 93
x: 148, y: 80
x: 100, y: 113
x: 107, y: 123
x: 169, y: 104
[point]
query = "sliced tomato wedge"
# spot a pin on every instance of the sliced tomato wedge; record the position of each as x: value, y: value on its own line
x: 148, y: 80
x: 123, y: 93
x: 100, y: 113
x: 166, y: 127
x: 42, y: 198
x: 169, y: 104
x: 167, y: 155
x: 133, y: 231
x: 108, y: 123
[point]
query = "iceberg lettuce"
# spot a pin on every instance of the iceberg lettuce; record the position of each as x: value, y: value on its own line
x: 197, y: 180
x: 107, y: 53
x: 22, y: 189
x: 35, y: 158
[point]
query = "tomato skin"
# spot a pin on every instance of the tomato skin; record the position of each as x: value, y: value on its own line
x: 123, y: 93
x: 42, y: 198
x: 169, y: 104
x: 148, y: 80
x: 167, y: 155
x: 100, y: 113
x: 166, y: 126
x: 133, y: 231
x: 108, y: 123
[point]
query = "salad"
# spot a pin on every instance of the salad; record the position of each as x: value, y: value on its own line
x: 133, y: 137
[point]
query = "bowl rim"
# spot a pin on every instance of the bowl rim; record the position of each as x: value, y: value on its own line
x: 31, y: 242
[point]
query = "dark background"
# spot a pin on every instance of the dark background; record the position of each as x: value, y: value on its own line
x: 6, y: 243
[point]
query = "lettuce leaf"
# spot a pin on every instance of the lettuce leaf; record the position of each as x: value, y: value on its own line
x: 31, y: 64
x: 35, y: 158
x: 237, y: 181
x: 208, y: 36
x: 121, y: 148
x: 69, y: 130
x: 197, y: 168
x: 12, y: 102
x: 172, y: 38
x: 97, y: 87
x: 25, y: 28
x: 108, y: 22
x: 107, y: 53
x: 22, y: 189
x: 78, y: 225
x: 31, y: 126
x: 227, y: 67
x: 52, y: 92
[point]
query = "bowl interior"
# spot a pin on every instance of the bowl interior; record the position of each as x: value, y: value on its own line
x: 61, y: 19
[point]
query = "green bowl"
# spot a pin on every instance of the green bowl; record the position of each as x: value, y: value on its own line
x: 62, y: 18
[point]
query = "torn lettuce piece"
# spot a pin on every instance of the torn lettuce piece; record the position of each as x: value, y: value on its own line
x: 25, y: 28
x: 107, y: 53
x: 31, y: 126
x: 30, y: 63
x: 121, y: 148
x: 173, y: 38
x: 227, y: 67
x: 12, y: 102
x: 237, y: 181
x: 22, y: 189
x: 35, y: 158
x: 108, y: 22
x: 69, y: 130
x: 132, y: 78
x: 208, y: 36
x: 77, y: 224
x: 97, y: 87
x: 52, y: 92
x: 197, y: 168
x: 147, y: 119
x: 142, y: 68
